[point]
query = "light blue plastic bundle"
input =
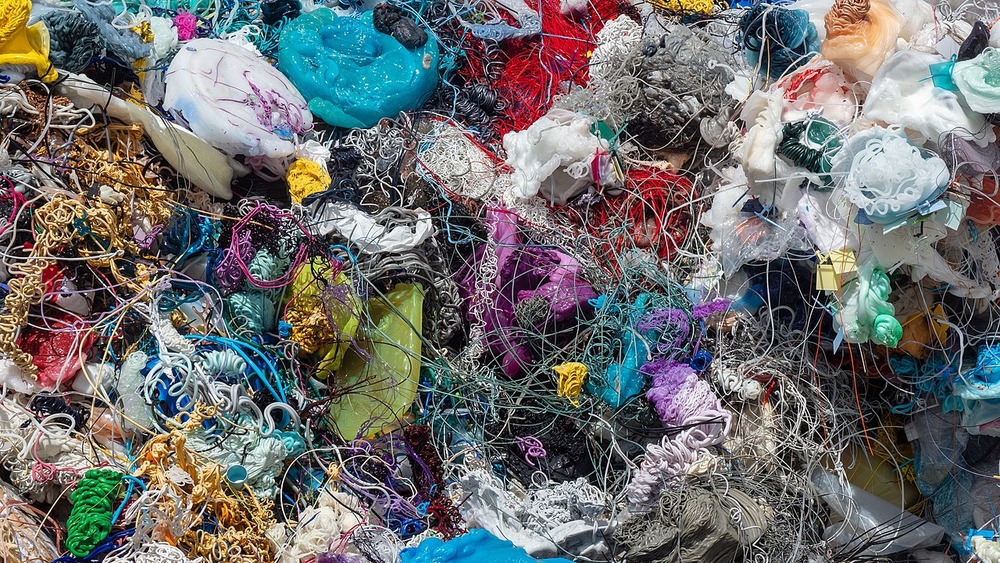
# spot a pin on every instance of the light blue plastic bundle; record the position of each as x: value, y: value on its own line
x: 72, y: 39
x: 124, y: 43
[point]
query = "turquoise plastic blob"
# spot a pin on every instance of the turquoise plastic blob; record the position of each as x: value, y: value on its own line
x: 624, y: 381
x: 351, y: 74
x: 477, y: 546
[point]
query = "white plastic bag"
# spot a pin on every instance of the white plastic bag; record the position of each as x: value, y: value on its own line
x: 871, y: 526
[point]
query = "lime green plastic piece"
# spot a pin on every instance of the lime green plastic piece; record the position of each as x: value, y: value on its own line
x: 382, y: 380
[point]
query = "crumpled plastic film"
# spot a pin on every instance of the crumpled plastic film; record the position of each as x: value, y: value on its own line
x: 382, y: 375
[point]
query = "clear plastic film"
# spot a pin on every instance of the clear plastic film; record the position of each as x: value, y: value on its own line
x: 870, y: 525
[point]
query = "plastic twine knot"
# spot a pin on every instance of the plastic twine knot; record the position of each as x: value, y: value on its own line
x: 776, y: 40
x: 43, y: 472
x: 187, y: 26
x: 532, y: 448
x: 89, y: 522
x: 73, y: 41
x: 571, y: 376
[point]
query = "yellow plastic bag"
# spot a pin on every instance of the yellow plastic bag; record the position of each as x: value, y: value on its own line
x: 382, y: 383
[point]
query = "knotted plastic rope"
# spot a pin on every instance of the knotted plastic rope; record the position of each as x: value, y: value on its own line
x: 90, y: 520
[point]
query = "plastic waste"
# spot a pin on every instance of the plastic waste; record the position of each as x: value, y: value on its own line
x: 234, y: 100
x: 383, y: 371
x: 859, y: 40
x: 476, y: 545
x: 862, y: 310
x: 902, y: 95
x: 22, y: 45
x: 323, y: 311
x: 888, y: 177
x: 193, y: 158
x: 352, y: 74
x: 870, y: 525
x: 135, y: 411
x: 556, y: 157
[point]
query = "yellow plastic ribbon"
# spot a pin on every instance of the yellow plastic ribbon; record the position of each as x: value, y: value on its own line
x: 571, y: 376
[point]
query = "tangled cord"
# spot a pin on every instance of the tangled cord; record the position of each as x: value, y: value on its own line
x: 89, y: 522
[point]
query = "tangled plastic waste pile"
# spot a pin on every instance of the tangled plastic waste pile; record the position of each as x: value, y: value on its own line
x: 436, y: 281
